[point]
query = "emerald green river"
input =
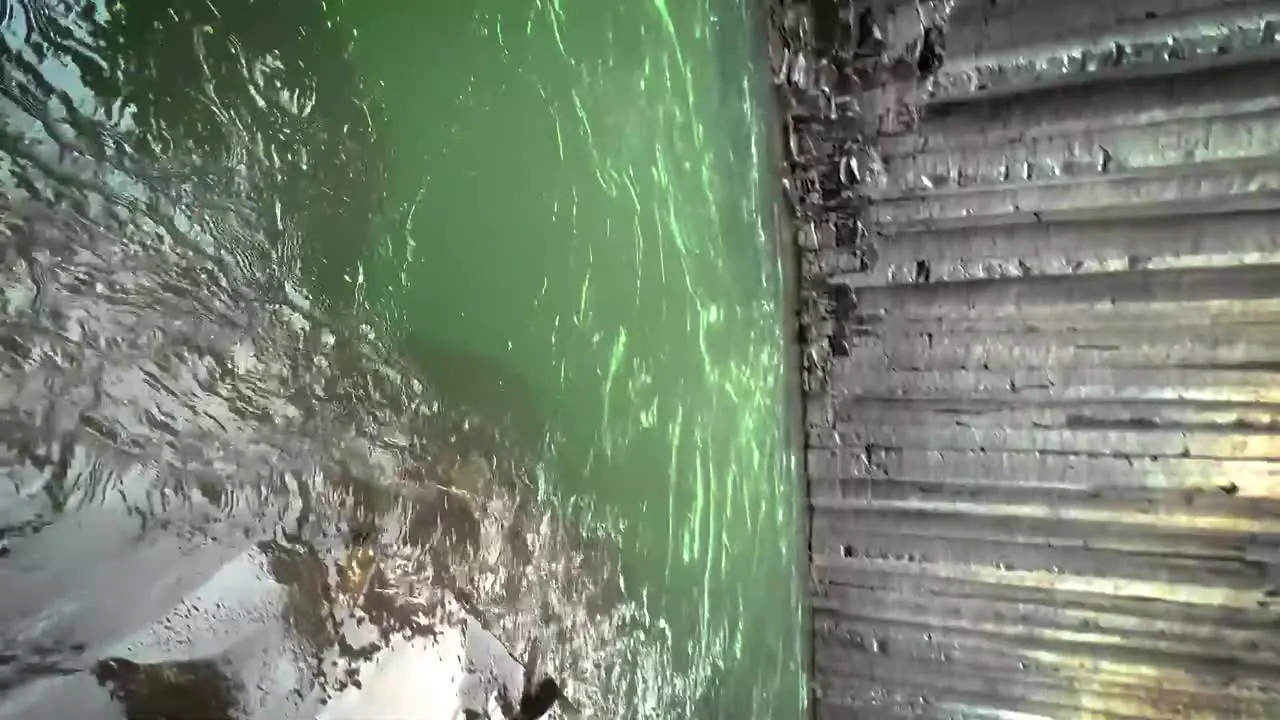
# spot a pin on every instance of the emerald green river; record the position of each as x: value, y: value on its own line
x: 547, y: 225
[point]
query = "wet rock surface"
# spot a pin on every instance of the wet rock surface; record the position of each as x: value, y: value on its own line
x: 846, y: 74
x: 1039, y: 263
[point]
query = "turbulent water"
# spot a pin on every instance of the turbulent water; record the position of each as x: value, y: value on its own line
x: 359, y: 313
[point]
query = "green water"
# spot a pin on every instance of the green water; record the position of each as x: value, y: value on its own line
x: 562, y: 213
x: 580, y: 197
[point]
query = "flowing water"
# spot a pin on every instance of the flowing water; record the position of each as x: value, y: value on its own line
x: 470, y: 296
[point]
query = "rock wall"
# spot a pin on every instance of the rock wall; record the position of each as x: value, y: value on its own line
x: 1040, y: 317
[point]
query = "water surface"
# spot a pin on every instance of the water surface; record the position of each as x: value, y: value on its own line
x: 359, y: 240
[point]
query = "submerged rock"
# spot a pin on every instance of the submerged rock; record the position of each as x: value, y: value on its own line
x: 218, y: 504
x: 273, y: 629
